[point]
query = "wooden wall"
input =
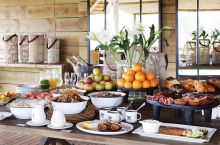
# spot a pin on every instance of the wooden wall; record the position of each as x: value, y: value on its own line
x: 64, y: 19
x: 169, y: 19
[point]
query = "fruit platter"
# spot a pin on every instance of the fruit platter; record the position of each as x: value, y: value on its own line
x: 97, y: 81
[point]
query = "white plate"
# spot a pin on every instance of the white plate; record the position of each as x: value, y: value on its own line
x: 30, y: 123
x: 125, y: 128
x: 67, y: 125
x: 4, y: 115
x: 211, y: 131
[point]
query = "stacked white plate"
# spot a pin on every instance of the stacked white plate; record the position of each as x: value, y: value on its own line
x: 22, y: 89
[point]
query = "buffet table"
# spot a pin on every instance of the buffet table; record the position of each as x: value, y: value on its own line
x: 10, y: 124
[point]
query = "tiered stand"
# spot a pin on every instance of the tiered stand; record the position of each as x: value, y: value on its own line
x: 188, y: 110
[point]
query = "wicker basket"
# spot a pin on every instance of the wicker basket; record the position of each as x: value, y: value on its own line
x: 53, y: 47
x: 10, y: 45
x: 87, y: 114
x: 23, y: 49
x: 36, y: 48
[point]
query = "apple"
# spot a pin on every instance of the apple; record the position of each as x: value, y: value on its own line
x: 88, y: 87
x: 106, y: 77
x: 92, y: 76
x: 102, y: 82
x: 88, y: 80
x: 96, y: 71
x: 108, y: 86
x: 98, y: 78
x: 94, y: 84
x: 99, y: 87
x: 80, y: 85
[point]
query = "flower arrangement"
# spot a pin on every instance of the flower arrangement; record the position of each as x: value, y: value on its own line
x: 126, y: 41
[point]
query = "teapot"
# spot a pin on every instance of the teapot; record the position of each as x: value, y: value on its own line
x: 58, y: 119
x: 38, y: 114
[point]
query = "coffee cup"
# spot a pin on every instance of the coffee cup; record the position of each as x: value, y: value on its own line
x: 131, y: 116
x: 150, y: 126
x: 114, y: 116
x: 38, y: 114
x: 121, y: 110
x: 58, y: 119
x: 103, y: 114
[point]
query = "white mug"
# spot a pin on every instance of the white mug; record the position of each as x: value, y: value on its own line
x: 103, y: 114
x: 58, y: 119
x: 38, y: 114
x: 121, y: 110
x: 131, y: 116
x: 114, y: 116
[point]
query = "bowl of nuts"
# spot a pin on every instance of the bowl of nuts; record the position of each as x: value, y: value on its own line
x: 70, y: 103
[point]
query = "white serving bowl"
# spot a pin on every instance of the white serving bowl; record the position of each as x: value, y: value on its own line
x: 71, y: 108
x: 150, y: 126
x: 107, y: 101
x: 21, y: 112
x: 22, y: 89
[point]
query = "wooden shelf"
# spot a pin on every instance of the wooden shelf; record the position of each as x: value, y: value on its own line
x: 22, y: 65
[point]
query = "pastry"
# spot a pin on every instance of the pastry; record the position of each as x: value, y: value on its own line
x: 109, y: 126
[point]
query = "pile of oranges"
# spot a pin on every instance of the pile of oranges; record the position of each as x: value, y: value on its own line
x: 136, y: 78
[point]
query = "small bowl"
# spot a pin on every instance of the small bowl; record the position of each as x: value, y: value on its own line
x: 22, y: 89
x: 150, y: 126
x: 21, y: 112
x: 71, y: 108
x: 107, y: 101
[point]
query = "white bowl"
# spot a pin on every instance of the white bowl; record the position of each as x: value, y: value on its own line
x: 150, y: 126
x: 70, y: 108
x: 107, y: 102
x: 22, y: 89
x: 21, y: 112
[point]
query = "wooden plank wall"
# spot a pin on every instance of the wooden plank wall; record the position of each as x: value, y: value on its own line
x: 64, y: 19
x: 169, y: 19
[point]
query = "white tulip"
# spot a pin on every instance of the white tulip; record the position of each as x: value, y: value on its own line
x: 92, y: 36
x: 104, y: 37
x: 138, y: 29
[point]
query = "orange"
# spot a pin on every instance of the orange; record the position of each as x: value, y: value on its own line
x: 130, y: 72
x: 129, y: 78
x: 124, y: 74
x: 146, y: 84
x: 136, y: 67
x: 139, y: 77
x: 121, y: 82
x: 137, y: 84
x: 128, y: 85
x: 150, y: 75
x: 153, y: 82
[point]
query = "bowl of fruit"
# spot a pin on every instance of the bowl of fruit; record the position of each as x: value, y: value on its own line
x: 97, y: 81
x: 106, y: 99
x: 136, y: 78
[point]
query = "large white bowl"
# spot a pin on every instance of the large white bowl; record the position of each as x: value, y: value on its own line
x: 107, y: 102
x: 70, y: 108
x: 22, y: 89
x: 21, y: 112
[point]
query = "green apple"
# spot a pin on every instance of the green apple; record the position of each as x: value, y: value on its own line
x: 92, y: 76
x: 102, y: 82
x: 108, y: 86
x: 88, y: 87
x: 98, y: 78
x: 100, y: 87
x: 94, y: 84
x: 96, y: 71
x: 106, y: 77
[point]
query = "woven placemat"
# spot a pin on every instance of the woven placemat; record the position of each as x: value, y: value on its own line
x: 87, y: 114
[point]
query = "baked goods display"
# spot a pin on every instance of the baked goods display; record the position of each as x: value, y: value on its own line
x: 6, y: 96
x: 188, y: 85
x: 191, y: 99
x: 214, y: 82
x: 109, y: 126
x: 190, y: 133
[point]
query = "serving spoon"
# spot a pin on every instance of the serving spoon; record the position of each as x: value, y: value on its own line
x: 142, y: 105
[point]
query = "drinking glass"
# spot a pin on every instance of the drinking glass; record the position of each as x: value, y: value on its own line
x: 73, y: 79
x: 66, y: 78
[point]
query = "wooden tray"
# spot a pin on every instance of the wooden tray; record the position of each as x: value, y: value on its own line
x: 87, y: 114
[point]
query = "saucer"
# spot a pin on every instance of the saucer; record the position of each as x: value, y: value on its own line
x: 4, y: 115
x: 67, y: 125
x: 31, y: 123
